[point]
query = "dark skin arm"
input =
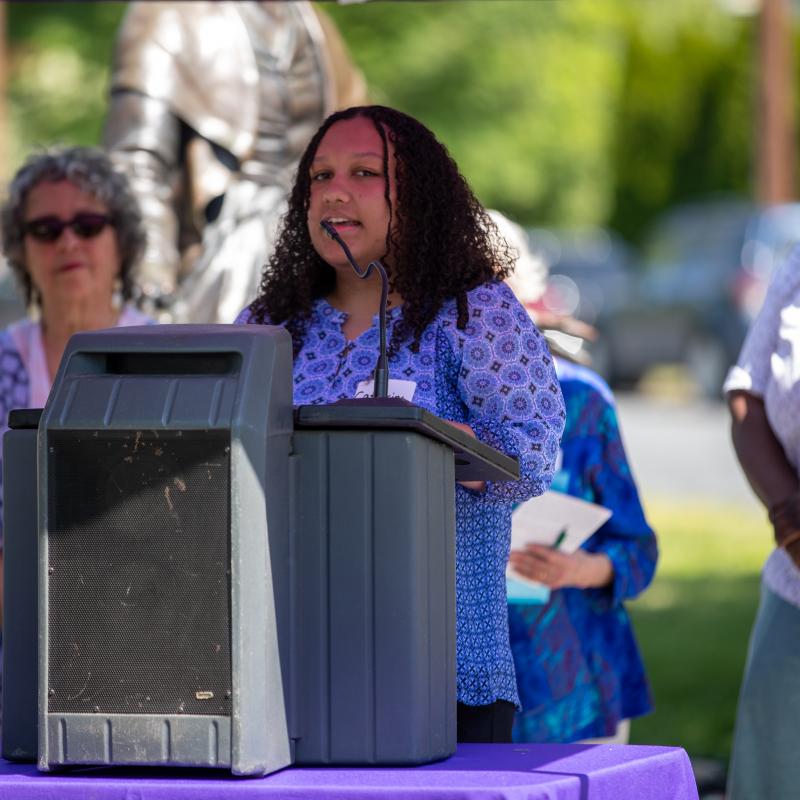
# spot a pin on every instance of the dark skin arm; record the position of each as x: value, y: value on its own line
x: 767, y: 468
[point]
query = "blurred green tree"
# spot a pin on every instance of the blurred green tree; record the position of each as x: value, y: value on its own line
x: 523, y: 94
x: 685, y: 125
x: 560, y: 112
x: 571, y: 113
x: 59, y: 56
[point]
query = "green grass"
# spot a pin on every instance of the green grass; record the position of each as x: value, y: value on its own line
x: 693, y: 622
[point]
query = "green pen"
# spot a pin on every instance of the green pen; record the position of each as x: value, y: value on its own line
x: 559, y: 539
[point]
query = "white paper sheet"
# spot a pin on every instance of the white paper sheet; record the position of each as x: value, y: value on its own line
x: 542, y: 520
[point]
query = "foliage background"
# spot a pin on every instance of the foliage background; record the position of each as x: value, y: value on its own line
x: 560, y: 112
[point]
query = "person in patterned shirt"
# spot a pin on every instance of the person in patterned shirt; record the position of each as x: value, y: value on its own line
x: 460, y: 345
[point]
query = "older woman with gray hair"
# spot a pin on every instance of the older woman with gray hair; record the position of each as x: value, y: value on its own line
x: 73, y: 235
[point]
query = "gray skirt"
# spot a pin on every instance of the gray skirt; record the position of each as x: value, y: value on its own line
x: 765, y: 762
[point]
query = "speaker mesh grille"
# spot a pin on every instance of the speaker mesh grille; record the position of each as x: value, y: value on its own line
x: 139, y: 580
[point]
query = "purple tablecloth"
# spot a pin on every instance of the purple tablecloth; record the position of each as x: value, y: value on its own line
x: 475, y: 772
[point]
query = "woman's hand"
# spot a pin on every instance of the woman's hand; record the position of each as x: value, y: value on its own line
x: 476, y: 486
x: 557, y: 570
x: 785, y: 519
x: 793, y: 549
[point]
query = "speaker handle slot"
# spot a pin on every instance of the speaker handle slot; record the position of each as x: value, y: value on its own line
x: 150, y: 363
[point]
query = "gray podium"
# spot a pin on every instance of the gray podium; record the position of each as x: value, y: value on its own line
x: 222, y: 580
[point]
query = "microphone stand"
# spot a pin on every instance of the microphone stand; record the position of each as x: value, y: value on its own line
x: 380, y: 374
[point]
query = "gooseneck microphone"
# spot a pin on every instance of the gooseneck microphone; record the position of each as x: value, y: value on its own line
x: 381, y: 372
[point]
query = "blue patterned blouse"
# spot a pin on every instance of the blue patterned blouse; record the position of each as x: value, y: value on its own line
x: 579, y: 671
x: 497, y: 375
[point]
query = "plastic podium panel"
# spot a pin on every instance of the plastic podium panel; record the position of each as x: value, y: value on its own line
x: 374, y: 520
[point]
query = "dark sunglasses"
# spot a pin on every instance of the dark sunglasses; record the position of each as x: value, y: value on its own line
x: 48, y: 229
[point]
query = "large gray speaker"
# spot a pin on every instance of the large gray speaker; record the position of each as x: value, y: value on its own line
x: 163, y: 549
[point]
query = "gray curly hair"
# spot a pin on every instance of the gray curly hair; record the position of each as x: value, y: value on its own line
x: 91, y: 170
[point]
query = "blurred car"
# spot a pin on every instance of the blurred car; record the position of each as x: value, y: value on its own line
x: 703, y: 276
x: 589, y: 270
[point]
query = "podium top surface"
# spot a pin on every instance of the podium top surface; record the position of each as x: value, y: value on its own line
x: 474, y: 460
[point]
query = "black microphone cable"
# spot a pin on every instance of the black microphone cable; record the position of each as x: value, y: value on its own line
x: 381, y: 372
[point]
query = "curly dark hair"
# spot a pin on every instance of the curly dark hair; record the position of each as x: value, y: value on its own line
x: 91, y: 170
x: 438, y: 223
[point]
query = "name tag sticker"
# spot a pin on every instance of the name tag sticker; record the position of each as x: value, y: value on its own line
x: 397, y: 388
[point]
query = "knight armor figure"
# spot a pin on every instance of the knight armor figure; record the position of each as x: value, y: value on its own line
x: 212, y: 105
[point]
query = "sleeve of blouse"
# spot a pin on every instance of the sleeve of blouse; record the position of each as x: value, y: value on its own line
x: 507, y: 382
x: 751, y: 371
x: 626, y: 538
x: 243, y: 317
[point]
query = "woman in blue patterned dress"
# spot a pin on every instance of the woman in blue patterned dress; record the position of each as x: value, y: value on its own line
x: 461, y: 346
x: 579, y: 671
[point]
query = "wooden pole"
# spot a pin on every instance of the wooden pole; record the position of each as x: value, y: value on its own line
x: 775, y: 132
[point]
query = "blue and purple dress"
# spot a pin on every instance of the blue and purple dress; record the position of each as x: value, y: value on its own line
x: 579, y: 671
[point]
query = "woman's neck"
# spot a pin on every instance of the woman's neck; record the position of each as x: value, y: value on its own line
x: 360, y: 300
